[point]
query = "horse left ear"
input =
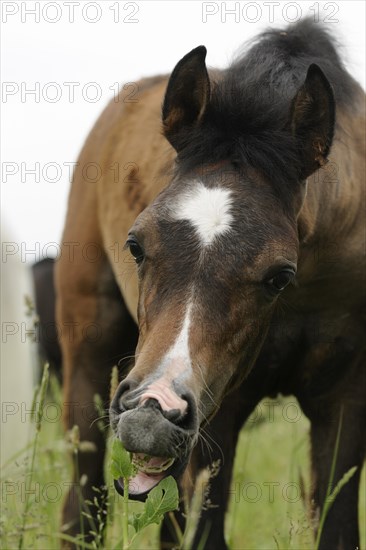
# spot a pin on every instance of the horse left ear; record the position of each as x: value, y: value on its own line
x: 187, y: 95
x: 312, y: 120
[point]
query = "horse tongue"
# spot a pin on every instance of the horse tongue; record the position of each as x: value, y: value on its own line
x: 142, y: 483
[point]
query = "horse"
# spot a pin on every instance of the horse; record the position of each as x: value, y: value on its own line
x: 215, y: 235
x: 45, y: 299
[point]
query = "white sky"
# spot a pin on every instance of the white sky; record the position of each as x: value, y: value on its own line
x: 106, y: 52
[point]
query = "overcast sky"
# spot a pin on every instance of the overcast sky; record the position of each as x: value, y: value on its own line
x: 74, y: 54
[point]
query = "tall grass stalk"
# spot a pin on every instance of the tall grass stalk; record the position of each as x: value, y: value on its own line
x: 325, y: 508
x: 195, y: 511
x: 125, y: 540
x: 125, y: 543
x: 114, y: 383
x: 331, y: 495
x: 75, y: 441
x: 111, y: 490
x: 177, y: 529
x: 242, y: 472
x: 38, y: 415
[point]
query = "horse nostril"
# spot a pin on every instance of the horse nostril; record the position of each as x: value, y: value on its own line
x: 122, y: 397
x: 188, y: 420
x: 182, y: 418
x: 174, y: 415
x: 152, y: 404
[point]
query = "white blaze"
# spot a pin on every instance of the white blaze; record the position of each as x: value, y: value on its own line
x: 177, y: 360
x: 208, y: 210
x: 175, y: 365
x: 180, y: 349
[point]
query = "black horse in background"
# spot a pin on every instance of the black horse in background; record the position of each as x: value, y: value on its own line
x: 45, y: 302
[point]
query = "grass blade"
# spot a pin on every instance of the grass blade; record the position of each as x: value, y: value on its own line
x: 29, y: 476
x: 327, y: 503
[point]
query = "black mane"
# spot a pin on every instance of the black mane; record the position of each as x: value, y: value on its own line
x: 247, y: 119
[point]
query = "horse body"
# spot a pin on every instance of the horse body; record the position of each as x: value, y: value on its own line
x: 219, y: 220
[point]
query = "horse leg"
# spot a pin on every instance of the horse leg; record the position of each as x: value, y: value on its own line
x: 102, y: 333
x: 347, y: 413
x: 217, y: 445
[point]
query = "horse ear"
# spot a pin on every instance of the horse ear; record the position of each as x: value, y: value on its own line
x: 312, y: 120
x: 187, y: 94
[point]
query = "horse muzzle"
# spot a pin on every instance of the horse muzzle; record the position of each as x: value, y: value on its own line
x: 160, y: 438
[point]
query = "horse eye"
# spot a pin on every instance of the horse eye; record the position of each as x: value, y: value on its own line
x: 135, y: 250
x: 281, y: 280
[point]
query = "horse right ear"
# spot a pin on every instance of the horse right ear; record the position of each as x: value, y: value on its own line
x: 187, y: 95
x: 312, y: 120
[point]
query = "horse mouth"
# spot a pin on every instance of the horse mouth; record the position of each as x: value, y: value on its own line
x: 159, y: 447
x: 151, y: 465
x: 150, y: 471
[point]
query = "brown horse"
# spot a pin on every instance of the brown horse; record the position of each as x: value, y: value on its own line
x: 245, y: 217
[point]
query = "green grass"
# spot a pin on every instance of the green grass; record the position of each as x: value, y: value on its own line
x: 271, y: 460
x: 266, y: 510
